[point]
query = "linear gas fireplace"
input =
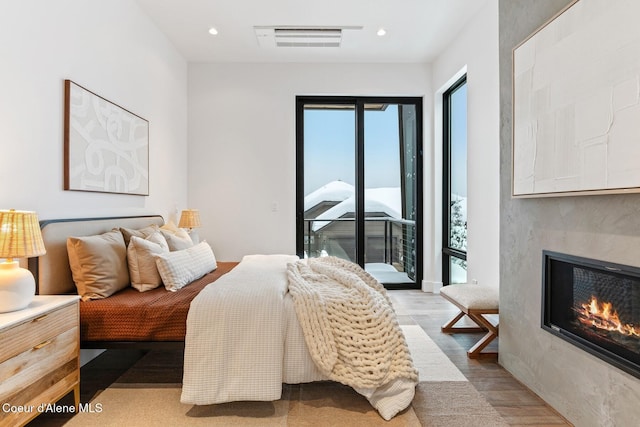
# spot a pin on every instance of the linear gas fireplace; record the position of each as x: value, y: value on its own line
x: 594, y: 305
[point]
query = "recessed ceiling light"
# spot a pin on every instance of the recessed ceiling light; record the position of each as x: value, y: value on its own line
x: 213, y: 31
x: 381, y: 32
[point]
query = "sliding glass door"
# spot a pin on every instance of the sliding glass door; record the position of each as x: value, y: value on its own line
x: 359, y: 182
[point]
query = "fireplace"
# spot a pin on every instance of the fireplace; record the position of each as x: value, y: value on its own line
x: 594, y: 305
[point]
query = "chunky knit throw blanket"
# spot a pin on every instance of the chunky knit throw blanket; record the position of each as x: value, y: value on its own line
x: 349, y: 324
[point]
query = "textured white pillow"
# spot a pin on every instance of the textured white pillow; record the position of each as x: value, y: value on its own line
x: 177, y: 238
x: 179, y: 268
x: 142, y: 263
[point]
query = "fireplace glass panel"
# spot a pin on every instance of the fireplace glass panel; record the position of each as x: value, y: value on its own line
x: 594, y: 305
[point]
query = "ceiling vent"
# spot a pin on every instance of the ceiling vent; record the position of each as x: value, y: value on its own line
x: 300, y: 36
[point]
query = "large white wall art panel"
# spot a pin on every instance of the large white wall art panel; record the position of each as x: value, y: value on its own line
x: 577, y: 103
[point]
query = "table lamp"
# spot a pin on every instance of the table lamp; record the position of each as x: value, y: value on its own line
x: 189, y: 218
x: 20, y: 237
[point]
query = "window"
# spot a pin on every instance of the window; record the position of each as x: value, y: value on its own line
x: 454, y: 203
x: 359, y: 181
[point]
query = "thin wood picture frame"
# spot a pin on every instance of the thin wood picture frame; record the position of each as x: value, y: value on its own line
x: 106, y: 147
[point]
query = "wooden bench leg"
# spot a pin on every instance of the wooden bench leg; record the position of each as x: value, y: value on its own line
x: 450, y: 328
x: 476, y: 352
x: 484, y: 325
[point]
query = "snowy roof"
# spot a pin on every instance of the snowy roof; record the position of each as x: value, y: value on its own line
x: 334, y: 191
x: 385, y: 200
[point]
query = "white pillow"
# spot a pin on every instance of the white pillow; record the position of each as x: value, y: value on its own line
x: 177, y: 238
x: 141, y: 259
x: 179, y: 268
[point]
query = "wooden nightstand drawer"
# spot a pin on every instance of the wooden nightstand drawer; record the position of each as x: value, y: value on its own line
x: 39, y: 357
x: 35, y: 331
x: 29, y: 366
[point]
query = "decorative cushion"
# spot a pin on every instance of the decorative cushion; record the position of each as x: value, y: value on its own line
x: 143, y: 233
x: 142, y: 263
x: 179, y: 268
x: 98, y: 264
x: 177, y: 238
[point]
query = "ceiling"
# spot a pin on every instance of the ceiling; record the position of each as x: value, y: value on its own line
x: 416, y: 29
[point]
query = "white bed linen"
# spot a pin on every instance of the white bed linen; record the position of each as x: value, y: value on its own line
x: 236, y: 328
x: 244, y: 341
x: 299, y: 366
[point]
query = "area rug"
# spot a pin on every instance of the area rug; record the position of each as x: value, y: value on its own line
x: 443, y: 398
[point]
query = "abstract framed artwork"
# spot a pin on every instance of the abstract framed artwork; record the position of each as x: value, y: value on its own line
x: 576, y: 103
x: 106, y: 148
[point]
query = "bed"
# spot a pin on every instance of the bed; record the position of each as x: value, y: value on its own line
x: 117, y: 321
x: 239, y: 325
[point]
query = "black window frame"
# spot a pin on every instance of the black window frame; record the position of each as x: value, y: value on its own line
x: 447, y: 251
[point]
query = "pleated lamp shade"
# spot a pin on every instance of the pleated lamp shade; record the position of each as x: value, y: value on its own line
x: 190, y: 218
x: 20, y: 235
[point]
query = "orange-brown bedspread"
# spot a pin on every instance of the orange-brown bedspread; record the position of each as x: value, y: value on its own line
x: 156, y: 315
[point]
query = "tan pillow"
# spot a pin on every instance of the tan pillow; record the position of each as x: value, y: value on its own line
x: 179, y: 268
x: 177, y: 238
x: 142, y: 263
x: 98, y: 264
x: 143, y: 233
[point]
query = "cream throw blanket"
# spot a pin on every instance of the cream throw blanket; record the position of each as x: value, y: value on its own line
x: 349, y: 324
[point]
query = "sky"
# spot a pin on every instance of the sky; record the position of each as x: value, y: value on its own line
x: 459, y: 141
x: 329, y: 148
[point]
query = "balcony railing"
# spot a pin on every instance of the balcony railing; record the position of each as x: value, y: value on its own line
x: 387, y: 240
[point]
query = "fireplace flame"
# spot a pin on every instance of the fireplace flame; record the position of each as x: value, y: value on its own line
x: 603, y: 316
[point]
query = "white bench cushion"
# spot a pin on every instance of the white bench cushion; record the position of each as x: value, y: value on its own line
x: 473, y: 297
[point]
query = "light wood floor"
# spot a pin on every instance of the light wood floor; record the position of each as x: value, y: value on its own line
x: 516, y: 403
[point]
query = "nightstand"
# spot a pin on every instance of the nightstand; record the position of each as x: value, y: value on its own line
x: 39, y: 358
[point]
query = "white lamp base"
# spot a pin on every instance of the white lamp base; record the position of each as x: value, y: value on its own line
x: 195, y: 238
x: 17, y: 287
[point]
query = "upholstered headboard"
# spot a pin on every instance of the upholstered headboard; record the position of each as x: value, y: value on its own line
x: 52, y: 271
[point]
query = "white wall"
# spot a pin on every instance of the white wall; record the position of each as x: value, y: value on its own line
x: 242, y: 143
x: 112, y: 49
x: 476, y: 49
